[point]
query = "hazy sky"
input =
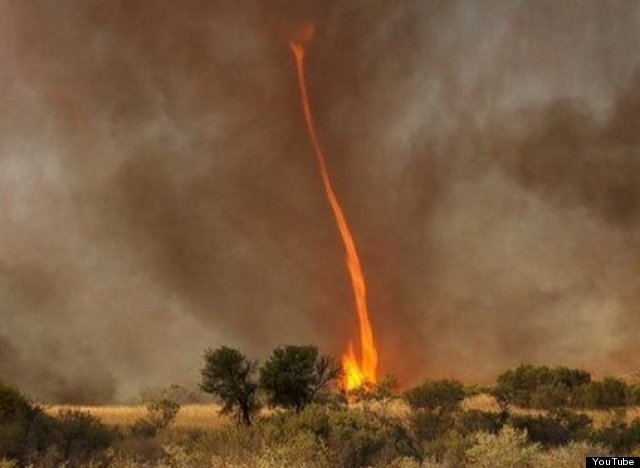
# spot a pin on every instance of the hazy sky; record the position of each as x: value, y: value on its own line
x: 159, y: 194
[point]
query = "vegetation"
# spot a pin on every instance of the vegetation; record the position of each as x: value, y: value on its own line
x: 293, y: 375
x: 441, y: 396
x: 537, y: 416
x: 28, y: 434
x: 229, y: 375
x: 541, y: 386
x: 162, y: 408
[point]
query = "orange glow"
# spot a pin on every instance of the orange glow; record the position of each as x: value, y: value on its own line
x: 299, y: 33
x: 357, y: 372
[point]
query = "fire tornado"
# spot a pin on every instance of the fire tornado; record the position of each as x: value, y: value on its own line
x: 356, y: 371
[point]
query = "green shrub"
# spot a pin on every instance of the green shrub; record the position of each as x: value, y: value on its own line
x: 232, y: 445
x: 302, y: 450
x: 450, y: 449
x: 635, y: 394
x: 24, y: 428
x: 552, y: 388
x: 314, y: 419
x: 162, y: 408
x: 438, y: 395
x: 357, y: 438
x: 621, y: 437
x: 476, y: 389
x: 571, y: 455
x: 429, y: 426
x: 607, y: 393
x: 541, y: 386
x: 557, y: 428
x: 80, y: 435
x: 507, y: 449
x: 352, y: 437
x: 470, y: 421
x: 28, y: 434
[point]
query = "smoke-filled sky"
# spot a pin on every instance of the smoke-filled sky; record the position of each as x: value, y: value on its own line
x: 159, y: 193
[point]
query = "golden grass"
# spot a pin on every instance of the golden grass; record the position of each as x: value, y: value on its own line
x: 205, y: 416
x: 600, y: 418
x: 189, y: 416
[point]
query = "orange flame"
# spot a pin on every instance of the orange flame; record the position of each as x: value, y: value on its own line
x: 356, y: 373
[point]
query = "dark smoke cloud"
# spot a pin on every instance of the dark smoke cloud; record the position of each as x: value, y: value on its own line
x: 159, y: 193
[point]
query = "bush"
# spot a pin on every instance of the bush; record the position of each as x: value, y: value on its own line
x: 471, y: 421
x: 621, y: 437
x: 607, y: 393
x: 360, y: 439
x: 449, y: 449
x: 81, y: 435
x: 507, y: 449
x: 438, y: 395
x: 302, y: 450
x: 571, y: 455
x: 162, y: 408
x: 428, y: 426
x: 228, y: 445
x: 635, y: 394
x: 558, y: 428
x: 24, y: 428
x: 541, y: 386
x: 352, y: 437
x: 27, y: 433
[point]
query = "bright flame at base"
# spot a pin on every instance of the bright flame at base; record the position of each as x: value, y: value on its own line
x: 353, y: 375
x: 356, y: 372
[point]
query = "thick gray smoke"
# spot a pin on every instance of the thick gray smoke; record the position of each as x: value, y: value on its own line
x: 159, y: 193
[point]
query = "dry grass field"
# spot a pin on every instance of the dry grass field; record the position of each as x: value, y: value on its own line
x: 205, y: 416
x: 194, y: 416
x: 600, y: 418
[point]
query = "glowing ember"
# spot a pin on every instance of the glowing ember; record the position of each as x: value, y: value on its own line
x: 357, y: 372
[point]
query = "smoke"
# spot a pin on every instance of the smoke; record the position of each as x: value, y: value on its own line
x: 159, y: 193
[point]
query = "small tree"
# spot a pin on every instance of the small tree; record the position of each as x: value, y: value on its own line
x: 293, y: 375
x: 229, y: 375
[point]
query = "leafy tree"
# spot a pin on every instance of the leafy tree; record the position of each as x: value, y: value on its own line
x: 229, y: 375
x: 438, y: 395
x: 293, y: 375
